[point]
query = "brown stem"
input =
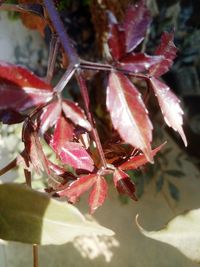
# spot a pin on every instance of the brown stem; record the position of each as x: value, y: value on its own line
x: 8, y: 167
x: 35, y: 256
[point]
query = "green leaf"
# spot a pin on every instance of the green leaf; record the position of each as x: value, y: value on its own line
x: 182, y: 232
x: 175, y: 173
x: 173, y: 190
x: 32, y: 217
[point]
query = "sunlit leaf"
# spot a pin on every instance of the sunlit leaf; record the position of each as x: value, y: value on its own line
x: 75, y: 114
x: 182, y: 232
x: 138, y: 62
x: 137, y: 20
x: 128, y: 113
x: 49, y: 116
x: 168, y: 50
x: 78, y: 187
x: 32, y: 217
x: 170, y: 106
x: 20, y: 89
x: 98, y: 193
x: 124, y: 184
x: 138, y: 161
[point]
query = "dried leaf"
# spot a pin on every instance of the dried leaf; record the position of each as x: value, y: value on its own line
x: 168, y: 50
x: 78, y: 187
x: 137, y: 20
x: 128, y: 113
x: 75, y: 114
x: 98, y: 193
x: 33, y: 22
x: 138, y: 161
x: 170, y: 107
x: 124, y: 184
x: 20, y: 89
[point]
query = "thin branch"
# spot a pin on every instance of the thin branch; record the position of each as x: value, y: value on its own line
x: 54, y: 46
x: 35, y: 256
x: 65, y: 78
x: 84, y: 93
x: 60, y: 30
x: 8, y: 167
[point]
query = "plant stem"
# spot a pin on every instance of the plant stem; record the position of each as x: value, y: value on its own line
x: 8, y: 167
x: 60, y: 30
x: 54, y: 45
x: 35, y: 256
x: 84, y: 93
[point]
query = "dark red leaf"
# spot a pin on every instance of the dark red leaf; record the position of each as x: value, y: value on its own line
x: 75, y: 155
x: 49, y: 116
x: 170, y: 106
x: 128, y: 113
x: 98, y: 193
x: 33, y: 149
x: 62, y: 134
x: 138, y: 161
x: 124, y: 184
x: 60, y: 171
x: 10, y: 116
x: 168, y: 50
x: 137, y: 20
x: 75, y: 114
x: 20, y: 89
x: 139, y: 62
x: 116, y: 41
x: 78, y: 187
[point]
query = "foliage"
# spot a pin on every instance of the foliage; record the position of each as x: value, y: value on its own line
x: 72, y: 135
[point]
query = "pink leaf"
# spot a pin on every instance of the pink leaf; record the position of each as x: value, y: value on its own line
x: 138, y: 161
x: 170, y: 106
x: 116, y: 41
x: 128, y: 113
x: 75, y: 155
x: 168, y: 50
x: 137, y: 20
x: 75, y: 114
x: 98, y: 193
x: 63, y: 133
x: 124, y: 184
x: 78, y: 187
x: 49, y: 116
x: 20, y: 89
x: 138, y: 62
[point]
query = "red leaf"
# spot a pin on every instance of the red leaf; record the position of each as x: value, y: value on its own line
x: 57, y: 170
x: 75, y: 155
x: 75, y: 114
x: 138, y: 62
x: 116, y: 41
x: 49, y: 116
x: 98, y: 194
x: 137, y: 20
x: 34, y: 149
x: 78, y: 187
x: 62, y: 134
x: 138, y: 161
x: 124, y: 184
x: 21, y: 89
x: 10, y: 116
x: 170, y: 106
x: 166, y: 49
x: 128, y: 113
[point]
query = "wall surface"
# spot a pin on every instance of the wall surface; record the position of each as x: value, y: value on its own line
x: 128, y: 248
